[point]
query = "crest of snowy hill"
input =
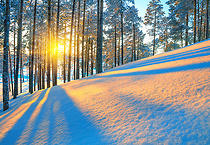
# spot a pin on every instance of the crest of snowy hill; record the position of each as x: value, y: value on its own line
x: 163, y: 99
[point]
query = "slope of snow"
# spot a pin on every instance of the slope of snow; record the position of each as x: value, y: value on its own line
x: 164, y: 99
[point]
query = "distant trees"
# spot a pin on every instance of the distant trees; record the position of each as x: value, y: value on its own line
x: 101, y: 34
x: 188, y: 22
x: 153, y: 17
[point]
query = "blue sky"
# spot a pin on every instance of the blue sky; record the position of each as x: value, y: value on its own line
x: 142, y: 5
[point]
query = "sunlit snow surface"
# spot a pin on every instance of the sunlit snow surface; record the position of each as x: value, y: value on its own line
x: 159, y: 100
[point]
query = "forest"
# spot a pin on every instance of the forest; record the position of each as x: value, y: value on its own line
x: 46, y: 41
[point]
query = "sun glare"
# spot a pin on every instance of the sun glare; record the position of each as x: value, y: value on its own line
x: 60, y: 48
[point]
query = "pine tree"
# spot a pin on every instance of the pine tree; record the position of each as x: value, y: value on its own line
x: 48, y: 48
x: 78, y: 41
x: 99, y: 37
x: 5, y: 59
x: 83, y: 36
x: 70, y: 45
x: 207, y: 19
x: 32, y: 55
x: 56, y: 51
x: 18, y: 48
x: 153, y: 17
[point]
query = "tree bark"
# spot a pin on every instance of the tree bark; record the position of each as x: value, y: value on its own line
x: 154, y: 35
x: 14, y: 49
x: 122, y: 34
x: 21, y: 68
x: 134, y: 42
x: 115, y: 44
x: 91, y: 45
x: 83, y: 32
x: 75, y: 36
x: 119, y: 53
x: 70, y: 45
x: 64, y: 56
x: 48, y: 50
x: 99, y: 37
x: 207, y: 20
x: 56, y: 49
x: 194, y: 28
x: 10, y: 65
x: 78, y: 41
x: 44, y: 65
x: 201, y: 22
x: 5, y: 58
x: 198, y: 11
x: 18, y: 49
x: 31, y: 73
x: 88, y: 54
x: 186, y: 33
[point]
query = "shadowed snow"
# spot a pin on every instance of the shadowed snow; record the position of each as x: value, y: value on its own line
x: 164, y: 99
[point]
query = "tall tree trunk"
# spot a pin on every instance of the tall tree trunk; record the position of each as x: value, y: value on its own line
x: 10, y: 65
x: 198, y: 11
x: 18, y: 49
x: 98, y: 33
x: 14, y: 49
x: 134, y: 42
x: 21, y: 68
x: 64, y: 56
x: 154, y: 35
x: 38, y: 62
x: 91, y: 45
x: 40, y: 67
x: 194, y: 28
x: 122, y: 34
x: 35, y: 69
x: 119, y: 53
x: 186, y: 33
x: 56, y: 49
x: 78, y: 41
x: 75, y: 36
x: 115, y: 44
x: 83, y: 33
x: 99, y: 37
x: 70, y: 45
x: 31, y: 73
x: 5, y: 59
x: 207, y: 20
x: 48, y: 50
x: 166, y: 36
x: 201, y: 22
x: 44, y: 66
x: 88, y: 54
x: 53, y: 39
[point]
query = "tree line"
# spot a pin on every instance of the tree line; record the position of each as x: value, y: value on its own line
x: 84, y: 37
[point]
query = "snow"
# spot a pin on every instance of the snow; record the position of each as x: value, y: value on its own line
x: 163, y: 99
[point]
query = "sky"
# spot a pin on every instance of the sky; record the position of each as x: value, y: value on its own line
x: 141, y: 5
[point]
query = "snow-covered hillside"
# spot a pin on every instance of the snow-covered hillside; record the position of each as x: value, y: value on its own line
x: 162, y: 99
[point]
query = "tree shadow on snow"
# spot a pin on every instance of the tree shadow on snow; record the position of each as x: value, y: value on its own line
x: 53, y: 119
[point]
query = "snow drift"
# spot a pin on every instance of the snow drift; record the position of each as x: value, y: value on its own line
x: 163, y: 99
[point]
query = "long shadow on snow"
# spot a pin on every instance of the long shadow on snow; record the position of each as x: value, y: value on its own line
x: 74, y: 126
x: 13, y: 134
x: 204, y: 51
x: 162, y: 71
x: 59, y: 121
